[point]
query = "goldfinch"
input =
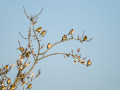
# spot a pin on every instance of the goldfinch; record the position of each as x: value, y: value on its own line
x: 48, y: 46
x: 12, y: 87
x: 27, y: 54
x: 29, y: 86
x: 2, y: 88
x: 89, y: 63
x: 64, y: 37
x: 6, y: 67
x: 38, y: 30
x: 43, y: 33
x: 21, y: 49
x: 85, y: 38
x: 71, y: 32
x: 8, y: 81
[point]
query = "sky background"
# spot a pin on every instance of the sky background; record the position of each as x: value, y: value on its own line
x: 99, y: 19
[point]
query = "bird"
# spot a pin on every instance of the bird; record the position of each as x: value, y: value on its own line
x: 27, y: 54
x: 48, y: 46
x: 21, y: 49
x: 43, y: 33
x: 85, y: 38
x: 2, y: 88
x: 29, y: 86
x: 8, y: 81
x: 38, y: 29
x: 89, y: 63
x: 6, y: 67
x: 12, y: 87
x: 64, y: 37
x: 71, y: 32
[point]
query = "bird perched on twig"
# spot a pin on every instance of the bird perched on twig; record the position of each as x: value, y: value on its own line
x: 64, y: 38
x: 89, y: 63
x: 21, y: 49
x: 29, y: 86
x: 8, y: 81
x: 71, y: 32
x: 28, y: 54
x: 85, y: 38
x: 43, y: 33
x: 48, y: 46
x: 12, y: 87
x: 38, y: 29
x: 6, y: 67
x: 2, y: 88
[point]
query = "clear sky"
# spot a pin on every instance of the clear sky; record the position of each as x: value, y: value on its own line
x: 99, y: 19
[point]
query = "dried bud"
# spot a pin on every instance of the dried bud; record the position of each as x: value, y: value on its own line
x: 74, y: 62
x: 78, y: 50
x: 67, y: 55
x: 12, y: 65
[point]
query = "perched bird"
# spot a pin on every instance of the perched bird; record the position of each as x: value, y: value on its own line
x: 64, y: 38
x: 48, y: 46
x: 29, y: 86
x: 71, y: 32
x: 83, y: 62
x: 12, y: 87
x: 27, y: 54
x: 2, y: 88
x: 85, y: 38
x: 89, y: 63
x: 8, y: 81
x: 38, y: 29
x: 21, y: 49
x: 6, y: 67
x: 43, y: 33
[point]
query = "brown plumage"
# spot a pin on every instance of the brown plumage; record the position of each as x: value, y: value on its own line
x: 64, y: 38
x: 48, y: 46
x: 89, y: 63
x: 71, y: 32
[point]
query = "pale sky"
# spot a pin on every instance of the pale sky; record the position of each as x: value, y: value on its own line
x: 99, y: 19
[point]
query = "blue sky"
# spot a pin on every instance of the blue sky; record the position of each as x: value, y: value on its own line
x: 99, y: 19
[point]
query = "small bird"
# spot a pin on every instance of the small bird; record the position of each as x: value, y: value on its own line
x: 29, y: 86
x: 38, y: 29
x: 2, y: 88
x: 43, y: 33
x: 48, y: 46
x: 6, y: 67
x: 21, y: 49
x: 12, y: 87
x: 85, y: 38
x: 89, y: 63
x: 27, y: 54
x: 71, y: 32
x: 8, y: 81
x: 64, y: 38
x: 83, y: 62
